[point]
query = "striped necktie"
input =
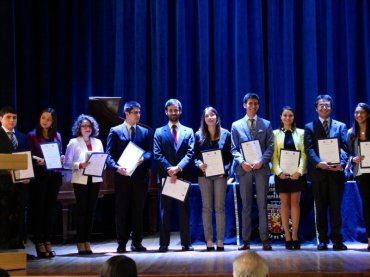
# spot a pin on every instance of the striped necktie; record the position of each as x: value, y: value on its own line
x: 326, y: 127
x: 13, y: 139
x: 252, y: 126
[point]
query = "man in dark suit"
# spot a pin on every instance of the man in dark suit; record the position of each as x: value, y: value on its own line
x: 12, y: 196
x: 327, y: 180
x: 130, y: 191
x: 173, y: 150
x: 251, y: 127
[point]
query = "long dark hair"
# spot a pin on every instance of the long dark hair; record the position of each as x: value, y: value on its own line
x: 52, y: 131
x: 204, y: 132
x: 287, y: 108
x: 356, y: 126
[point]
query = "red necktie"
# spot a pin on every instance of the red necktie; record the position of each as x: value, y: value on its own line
x: 174, y: 134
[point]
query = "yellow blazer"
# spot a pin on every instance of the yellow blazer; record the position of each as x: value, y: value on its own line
x: 298, y: 137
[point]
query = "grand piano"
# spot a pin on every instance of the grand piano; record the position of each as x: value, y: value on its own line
x: 106, y: 112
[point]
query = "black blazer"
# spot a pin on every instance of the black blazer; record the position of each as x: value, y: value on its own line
x: 314, y: 131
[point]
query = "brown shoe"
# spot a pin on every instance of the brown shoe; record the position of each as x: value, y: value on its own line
x: 245, y: 246
x: 266, y: 246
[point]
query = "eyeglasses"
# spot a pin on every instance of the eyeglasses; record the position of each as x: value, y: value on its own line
x: 324, y: 106
x: 136, y: 112
x: 86, y: 126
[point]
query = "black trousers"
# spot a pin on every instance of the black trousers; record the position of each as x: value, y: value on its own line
x: 44, y: 191
x: 363, y: 183
x: 328, y: 194
x: 86, y: 198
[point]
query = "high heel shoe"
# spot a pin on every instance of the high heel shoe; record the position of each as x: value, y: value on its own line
x: 41, y: 251
x: 289, y: 244
x: 88, y: 250
x: 49, y: 250
x: 296, y: 245
x: 81, y: 248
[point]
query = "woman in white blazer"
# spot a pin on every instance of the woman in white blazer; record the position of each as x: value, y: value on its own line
x: 289, y: 185
x: 86, y: 188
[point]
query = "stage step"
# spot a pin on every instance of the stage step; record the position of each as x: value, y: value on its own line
x: 13, y: 260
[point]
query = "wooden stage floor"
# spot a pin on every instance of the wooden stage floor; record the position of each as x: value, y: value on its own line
x: 307, y: 262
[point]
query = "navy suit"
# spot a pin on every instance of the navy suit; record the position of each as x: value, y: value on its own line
x: 131, y: 191
x: 12, y: 198
x: 167, y: 155
x: 240, y: 132
x: 327, y: 185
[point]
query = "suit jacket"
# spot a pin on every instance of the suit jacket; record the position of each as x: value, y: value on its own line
x: 314, y: 131
x: 119, y: 137
x: 223, y: 143
x: 76, y: 153
x: 298, y: 138
x: 167, y: 155
x: 263, y: 133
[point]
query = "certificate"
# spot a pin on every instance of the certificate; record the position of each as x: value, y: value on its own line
x: 51, y: 153
x: 130, y: 157
x: 23, y: 174
x: 251, y: 151
x: 289, y: 161
x: 214, y: 161
x: 365, y: 151
x: 177, y: 190
x: 329, y: 150
x: 97, y: 164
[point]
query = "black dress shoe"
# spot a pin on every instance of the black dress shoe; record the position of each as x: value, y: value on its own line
x: 288, y: 244
x: 163, y: 248
x: 266, y: 246
x: 220, y: 248
x: 322, y: 246
x: 368, y: 248
x: 210, y: 248
x: 187, y: 248
x: 296, y: 245
x: 245, y: 246
x: 121, y: 248
x: 339, y: 246
x: 138, y: 248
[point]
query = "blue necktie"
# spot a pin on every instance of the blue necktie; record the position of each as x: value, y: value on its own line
x: 13, y: 139
x: 132, y: 133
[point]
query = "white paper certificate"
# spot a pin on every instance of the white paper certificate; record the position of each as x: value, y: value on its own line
x: 289, y: 161
x: 329, y: 150
x: 97, y: 164
x: 251, y: 151
x: 130, y: 157
x: 51, y: 153
x: 19, y: 175
x: 177, y: 190
x: 214, y: 161
x: 365, y: 151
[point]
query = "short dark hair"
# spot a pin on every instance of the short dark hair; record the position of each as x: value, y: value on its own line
x: 76, y: 128
x: 250, y: 95
x: 326, y: 97
x: 118, y: 266
x: 130, y: 105
x: 7, y: 109
x: 174, y: 102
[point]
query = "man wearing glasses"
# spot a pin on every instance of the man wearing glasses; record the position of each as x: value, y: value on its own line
x: 327, y: 179
x: 130, y: 189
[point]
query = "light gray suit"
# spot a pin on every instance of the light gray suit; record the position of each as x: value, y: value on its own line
x: 240, y: 132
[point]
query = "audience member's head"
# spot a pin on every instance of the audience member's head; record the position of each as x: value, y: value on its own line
x: 250, y: 264
x: 4, y: 273
x: 118, y: 266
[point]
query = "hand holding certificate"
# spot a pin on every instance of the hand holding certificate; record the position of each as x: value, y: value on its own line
x: 96, y: 164
x: 329, y: 150
x: 289, y: 161
x: 177, y: 190
x: 214, y: 162
x: 365, y: 151
x: 51, y: 155
x: 23, y: 174
x: 130, y: 157
x: 251, y: 151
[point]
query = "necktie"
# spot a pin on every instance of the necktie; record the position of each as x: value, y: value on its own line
x: 174, y: 134
x: 133, y: 134
x: 252, y: 126
x: 13, y: 139
x: 326, y: 127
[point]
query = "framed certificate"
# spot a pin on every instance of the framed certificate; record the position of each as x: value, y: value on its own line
x: 51, y: 153
x: 177, y: 190
x: 289, y: 160
x: 364, y: 147
x: 214, y: 161
x: 329, y: 150
x: 97, y: 164
x: 251, y: 151
x: 23, y: 174
x: 130, y: 157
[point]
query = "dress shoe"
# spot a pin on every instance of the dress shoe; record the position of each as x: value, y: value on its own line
x: 322, y: 246
x: 210, y: 248
x: 245, y: 246
x: 187, y: 248
x: 220, y: 248
x: 339, y: 246
x: 163, y: 248
x: 49, y: 250
x: 138, y: 248
x: 121, y: 248
x: 266, y: 246
x: 296, y: 245
x: 289, y: 244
